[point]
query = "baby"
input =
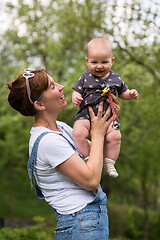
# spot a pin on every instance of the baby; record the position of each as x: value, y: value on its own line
x: 90, y: 90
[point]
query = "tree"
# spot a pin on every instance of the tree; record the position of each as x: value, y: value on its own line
x: 53, y: 35
x: 137, y: 38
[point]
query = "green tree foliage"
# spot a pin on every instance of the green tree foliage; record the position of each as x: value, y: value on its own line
x: 53, y: 34
x: 140, y: 144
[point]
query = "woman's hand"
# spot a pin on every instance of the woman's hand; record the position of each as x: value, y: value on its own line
x: 99, y: 124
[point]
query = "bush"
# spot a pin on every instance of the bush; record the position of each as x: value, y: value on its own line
x: 154, y: 229
x: 38, y: 232
x: 129, y: 222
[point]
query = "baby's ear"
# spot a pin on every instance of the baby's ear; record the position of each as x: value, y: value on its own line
x: 86, y: 59
x: 113, y: 59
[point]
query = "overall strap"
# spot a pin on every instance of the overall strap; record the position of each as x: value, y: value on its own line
x: 70, y: 135
x: 65, y: 131
x: 31, y: 163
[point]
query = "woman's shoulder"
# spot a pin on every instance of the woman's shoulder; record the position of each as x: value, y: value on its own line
x: 37, y: 131
x: 51, y: 138
x: 64, y: 125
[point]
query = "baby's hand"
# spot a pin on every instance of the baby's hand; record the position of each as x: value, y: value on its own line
x: 76, y: 99
x: 133, y: 94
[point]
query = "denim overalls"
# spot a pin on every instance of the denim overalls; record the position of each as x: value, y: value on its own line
x: 90, y: 223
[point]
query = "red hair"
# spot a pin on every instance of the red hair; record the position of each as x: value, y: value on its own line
x: 18, y: 98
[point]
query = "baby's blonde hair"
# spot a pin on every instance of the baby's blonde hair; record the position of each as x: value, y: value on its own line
x: 99, y: 41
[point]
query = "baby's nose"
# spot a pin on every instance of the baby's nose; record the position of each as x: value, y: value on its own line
x: 99, y: 65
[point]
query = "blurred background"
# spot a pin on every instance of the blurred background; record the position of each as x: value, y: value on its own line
x: 53, y: 34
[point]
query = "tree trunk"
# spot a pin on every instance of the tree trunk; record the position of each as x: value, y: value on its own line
x: 145, y: 208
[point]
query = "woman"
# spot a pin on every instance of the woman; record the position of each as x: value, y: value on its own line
x: 67, y: 183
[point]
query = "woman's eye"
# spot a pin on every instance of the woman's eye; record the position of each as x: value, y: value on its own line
x: 52, y: 85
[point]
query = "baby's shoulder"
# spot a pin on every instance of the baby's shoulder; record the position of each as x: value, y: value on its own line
x: 86, y: 74
x: 114, y: 74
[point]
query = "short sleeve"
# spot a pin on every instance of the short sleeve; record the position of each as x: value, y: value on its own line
x: 123, y: 88
x: 79, y: 85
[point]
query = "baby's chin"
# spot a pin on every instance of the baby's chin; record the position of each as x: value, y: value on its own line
x: 101, y: 74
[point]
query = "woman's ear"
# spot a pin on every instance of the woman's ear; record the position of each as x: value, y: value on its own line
x: 39, y: 105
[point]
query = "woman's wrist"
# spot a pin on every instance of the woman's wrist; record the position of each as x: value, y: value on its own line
x: 97, y: 137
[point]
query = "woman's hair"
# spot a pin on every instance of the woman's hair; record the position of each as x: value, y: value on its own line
x: 18, y: 97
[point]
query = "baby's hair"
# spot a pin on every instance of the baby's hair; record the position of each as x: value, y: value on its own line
x: 99, y: 40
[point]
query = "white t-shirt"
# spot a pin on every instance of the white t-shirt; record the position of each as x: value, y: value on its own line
x: 59, y: 191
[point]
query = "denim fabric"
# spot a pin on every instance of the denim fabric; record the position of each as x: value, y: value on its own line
x: 90, y: 223
x: 30, y: 165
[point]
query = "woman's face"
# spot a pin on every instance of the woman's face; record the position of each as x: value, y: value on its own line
x: 53, y: 98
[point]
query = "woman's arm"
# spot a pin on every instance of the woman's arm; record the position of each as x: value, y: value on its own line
x: 88, y: 175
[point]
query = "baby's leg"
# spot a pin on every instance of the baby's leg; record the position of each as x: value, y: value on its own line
x: 112, y: 150
x: 113, y: 138
x: 80, y: 133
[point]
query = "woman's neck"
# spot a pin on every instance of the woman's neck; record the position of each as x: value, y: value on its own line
x: 46, y: 122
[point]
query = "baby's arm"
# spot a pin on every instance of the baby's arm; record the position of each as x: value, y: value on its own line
x: 129, y: 94
x: 76, y: 98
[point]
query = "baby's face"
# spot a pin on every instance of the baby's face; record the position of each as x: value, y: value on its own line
x: 100, y: 61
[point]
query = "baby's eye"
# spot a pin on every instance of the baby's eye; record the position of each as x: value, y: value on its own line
x: 94, y: 62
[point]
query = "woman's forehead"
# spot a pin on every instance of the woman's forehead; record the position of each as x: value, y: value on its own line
x: 50, y: 78
x: 51, y: 81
